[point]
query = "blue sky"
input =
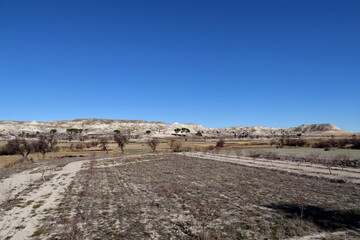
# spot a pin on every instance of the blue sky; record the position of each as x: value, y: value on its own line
x: 217, y: 63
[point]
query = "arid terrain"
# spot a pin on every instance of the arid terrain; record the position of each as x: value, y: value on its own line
x: 182, y: 186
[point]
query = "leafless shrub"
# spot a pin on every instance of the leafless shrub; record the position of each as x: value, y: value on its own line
x: 273, y: 142
x: 254, y: 154
x: 298, y: 162
x: 220, y: 143
x: 103, y: 144
x: 207, y: 212
x: 153, y: 143
x: 313, y: 157
x: 342, y: 158
x: 329, y: 163
x: 188, y: 149
x: 211, y: 148
x: 20, y: 146
x: 270, y: 155
x: 80, y: 146
x: 94, y: 143
x: 121, y: 140
x: 337, y: 160
x: 176, y: 145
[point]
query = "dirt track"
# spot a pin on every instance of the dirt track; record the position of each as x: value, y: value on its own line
x: 36, y: 191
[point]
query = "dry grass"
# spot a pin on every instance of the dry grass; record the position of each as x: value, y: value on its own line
x: 179, y: 197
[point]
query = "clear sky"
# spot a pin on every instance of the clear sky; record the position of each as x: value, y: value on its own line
x: 217, y: 63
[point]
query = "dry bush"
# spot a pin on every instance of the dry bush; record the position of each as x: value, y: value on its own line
x: 19, y: 146
x: 220, y: 143
x: 80, y: 146
x: 337, y: 160
x: 153, y: 143
x: 88, y: 145
x: 254, y: 153
x: 295, y: 142
x: 313, y: 157
x: 188, y: 149
x: 211, y: 148
x: 342, y: 158
x: 121, y: 140
x: 352, y: 143
x: 103, y: 144
x: 176, y: 145
x: 270, y: 155
x: 329, y: 163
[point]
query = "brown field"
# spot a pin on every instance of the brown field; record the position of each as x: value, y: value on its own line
x: 171, y: 196
x: 87, y: 194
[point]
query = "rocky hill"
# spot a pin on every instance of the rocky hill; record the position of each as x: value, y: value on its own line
x: 139, y: 127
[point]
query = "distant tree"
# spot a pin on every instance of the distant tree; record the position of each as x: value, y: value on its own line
x: 185, y: 130
x: 198, y: 133
x: 72, y: 132
x: 53, y: 131
x: 117, y: 131
x: 153, y: 143
x: 103, y: 144
x: 45, y: 144
x: 148, y: 132
x: 220, y: 143
x: 121, y: 141
x: 20, y: 146
x: 177, y: 130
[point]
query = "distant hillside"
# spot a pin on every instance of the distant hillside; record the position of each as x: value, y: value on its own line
x: 139, y: 127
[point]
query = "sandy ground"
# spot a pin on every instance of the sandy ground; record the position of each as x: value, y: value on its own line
x: 316, y: 170
x: 21, y: 221
x: 16, y: 183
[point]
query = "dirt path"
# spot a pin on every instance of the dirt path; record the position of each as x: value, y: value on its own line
x: 16, y: 183
x: 36, y: 191
x: 20, y: 222
x: 317, y: 170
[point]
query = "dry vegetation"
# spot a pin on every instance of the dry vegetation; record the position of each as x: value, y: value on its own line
x: 177, y: 197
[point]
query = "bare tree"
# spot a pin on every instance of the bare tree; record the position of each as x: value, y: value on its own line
x: 45, y: 144
x: 20, y: 146
x: 103, y: 143
x: 121, y: 140
x: 220, y: 143
x: 153, y: 143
